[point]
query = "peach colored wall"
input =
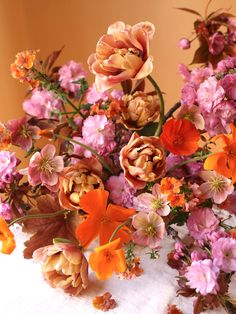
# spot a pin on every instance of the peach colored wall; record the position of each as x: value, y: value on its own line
x: 77, y: 24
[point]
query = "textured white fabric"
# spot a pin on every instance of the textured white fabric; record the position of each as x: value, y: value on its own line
x: 23, y: 290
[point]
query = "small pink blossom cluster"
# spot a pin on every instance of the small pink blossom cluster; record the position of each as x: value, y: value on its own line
x: 8, y: 171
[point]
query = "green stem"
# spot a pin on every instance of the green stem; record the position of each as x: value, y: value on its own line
x: 185, y: 162
x: 49, y: 215
x: 93, y: 151
x: 162, y: 105
x: 117, y: 229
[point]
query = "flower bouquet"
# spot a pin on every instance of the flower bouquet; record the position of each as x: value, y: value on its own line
x: 110, y: 171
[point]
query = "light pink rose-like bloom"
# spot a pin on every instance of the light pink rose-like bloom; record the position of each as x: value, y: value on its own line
x: 122, y: 54
x: 201, y: 222
x: 150, y: 229
x: 215, y: 186
x: 192, y: 113
x: 5, y: 210
x: 184, y: 43
x: 217, y: 44
x: 44, y: 168
x: 202, y: 276
x: 156, y: 202
x: 8, y: 164
x: 69, y: 73
x: 41, y: 104
x: 224, y: 254
x: 210, y: 94
x: 22, y: 133
x: 99, y: 133
x: 121, y: 193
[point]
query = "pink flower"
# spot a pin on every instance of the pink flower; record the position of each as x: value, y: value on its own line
x: 184, y: 43
x: 5, y: 210
x: 93, y: 95
x: 198, y: 255
x: 224, y: 254
x: 99, y: 132
x: 121, y: 193
x: 69, y: 73
x: 202, y: 276
x: 229, y: 85
x: 188, y: 95
x: 226, y: 64
x: 216, y: 186
x: 122, y: 54
x: 184, y: 72
x: 44, y: 168
x: 41, y: 104
x: 79, y: 150
x: 201, y: 222
x: 22, y: 133
x: 8, y: 164
x: 217, y: 44
x: 156, y: 202
x: 191, y: 113
x: 229, y: 203
x: 210, y: 94
x: 150, y: 229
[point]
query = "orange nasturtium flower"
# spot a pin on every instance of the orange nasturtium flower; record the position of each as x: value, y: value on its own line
x: 180, y: 137
x: 170, y: 185
x: 107, y: 259
x: 101, y: 219
x: 6, y: 237
x: 224, y: 162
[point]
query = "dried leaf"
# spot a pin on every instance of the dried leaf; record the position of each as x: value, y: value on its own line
x: 139, y: 86
x: 201, y: 54
x: 218, y: 14
x: 190, y: 11
x: 50, y: 60
x: 172, y: 309
x: 127, y: 86
x: 198, y: 306
x: 46, y: 229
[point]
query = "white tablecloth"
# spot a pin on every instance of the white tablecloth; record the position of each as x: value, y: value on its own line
x: 24, y: 291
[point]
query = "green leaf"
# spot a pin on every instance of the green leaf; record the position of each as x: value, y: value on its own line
x: 148, y: 130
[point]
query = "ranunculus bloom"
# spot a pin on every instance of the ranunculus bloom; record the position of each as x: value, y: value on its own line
x: 77, y: 180
x: 22, y: 133
x: 216, y: 186
x: 107, y: 259
x: 202, y: 276
x: 143, y: 160
x: 139, y: 109
x: 64, y: 266
x: 6, y: 237
x: 44, y: 168
x: 224, y: 254
x: 180, y: 137
x: 122, y: 54
x: 201, y: 222
x: 102, y: 220
x: 150, y: 229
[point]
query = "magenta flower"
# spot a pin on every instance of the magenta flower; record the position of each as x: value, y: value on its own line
x: 44, y: 168
x: 216, y: 186
x: 69, y: 73
x: 8, y: 164
x: 99, y: 133
x: 201, y: 222
x: 198, y: 255
x: 93, y: 95
x: 79, y: 150
x: 202, y: 276
x: 229, y: 85
x: 156, y: 202
x: 188, y: 95
x: 226, y: 64
x: 41, y: 104
x: 150, y: 229
x: 22, y: 133
x: 121, y: 192
x: 184, y: 43
x: 5, y: 211
x: 217, y: 44
x: 224, y: 254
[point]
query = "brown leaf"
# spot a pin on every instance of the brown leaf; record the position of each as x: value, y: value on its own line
x: 219, y: 14
x: 139, y: 86
x: 172, y: 309
x: 126, y: 86
x: 52, y: 58
x: 46, y: 229
x: 201, y: 54
x: 190, y: 11
x: 198, y: 306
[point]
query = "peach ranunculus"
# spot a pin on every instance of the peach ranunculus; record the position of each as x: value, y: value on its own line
x: 143, y: 160
x: 122, y: 54
x: 139, y: 109
x: 77, y: 180
x: 64, y: 266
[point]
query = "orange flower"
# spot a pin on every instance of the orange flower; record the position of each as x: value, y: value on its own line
x: 7, y: 238
x: 25, y: 59
x: 224, y: 162
x: 176, y: 199
x: 107, y: 259
x: 110, y: 108
x: 180, y: 137
x: 170, y: 184
x: 5, y: 138
x: 101, y: 220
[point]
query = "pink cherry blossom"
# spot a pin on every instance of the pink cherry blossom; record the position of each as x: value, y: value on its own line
x: 224, y: 254
x: 5, y: 210
x: 8, y: 164
x: 44, y: 168
x: 150, y: 229
x: 216, y: 44
x: 202, y: 276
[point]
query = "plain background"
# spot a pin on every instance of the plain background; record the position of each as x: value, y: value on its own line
x: 78, y: 24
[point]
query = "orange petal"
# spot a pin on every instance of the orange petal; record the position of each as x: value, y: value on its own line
x: 88, y: 230
x: 107, y: 229
x: 120, y: 265
x: 8, y: 246
x: 119, y: 213
x: 110, y: 245
x: 217, y: 162
x: 94, y: 201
